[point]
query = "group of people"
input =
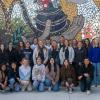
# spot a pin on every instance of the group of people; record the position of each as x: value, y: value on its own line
x: 50, y: 65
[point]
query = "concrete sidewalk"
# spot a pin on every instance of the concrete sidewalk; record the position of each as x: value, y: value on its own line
x: 62, y: 95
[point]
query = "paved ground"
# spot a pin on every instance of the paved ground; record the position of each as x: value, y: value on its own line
x: 62, y: 95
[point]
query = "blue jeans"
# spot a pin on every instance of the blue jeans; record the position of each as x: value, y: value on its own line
x: 38, y: 85
x: 13, y: 85
x: 96, y: 80
x: 48, y: 83
x: 85, y: 84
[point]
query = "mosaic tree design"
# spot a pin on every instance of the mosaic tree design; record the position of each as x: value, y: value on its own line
x: 7, y: 8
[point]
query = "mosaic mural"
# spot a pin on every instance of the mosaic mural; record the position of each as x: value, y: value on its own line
x: 90, y: 10
x: 21, y: 17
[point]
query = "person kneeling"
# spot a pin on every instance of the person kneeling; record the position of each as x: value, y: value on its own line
x: 86, y: 73
x: 25, y: 74
x: 3, y: 78
x: 67, y: 76
x: 38, y: 75
x: 13, y: 78
x: 52, y: 76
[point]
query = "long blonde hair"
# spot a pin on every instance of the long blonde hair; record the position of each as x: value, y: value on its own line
x: 96, y: 42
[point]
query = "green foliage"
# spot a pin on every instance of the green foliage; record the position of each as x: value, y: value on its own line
x: 17, y: 23
x: 19, y: 27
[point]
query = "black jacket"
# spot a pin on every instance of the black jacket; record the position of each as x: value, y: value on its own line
x: 12, y: 74
x: 28, y: 53
x: 3, y: 57
x: 54, y: 53
x: 89, y: 69
x: 80, y: 55
x: 13, y: 55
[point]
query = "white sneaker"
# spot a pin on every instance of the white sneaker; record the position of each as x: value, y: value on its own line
x: 49, y: 89
x: 66, y: 89
x: 98, y: 86
x: 93, y: 86
x: 88, y: 92
x: 23, y: 90
x: 70, y: 91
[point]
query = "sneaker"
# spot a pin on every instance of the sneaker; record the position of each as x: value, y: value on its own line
x: 2, y: 91
x: 67, y: 89
x: 88, y: 92
x: 98, y: 86
x: 23, y: 90
x: 49, y: 89
x: 93, y: 86
x: 70, y: 91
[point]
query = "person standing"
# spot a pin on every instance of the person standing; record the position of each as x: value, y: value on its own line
x: 34, y: 44
x: 66, y: 52
x: 12, y: 54
x: 80, y: 53
x: 54, y: 52
x: 3, y: 55
x: 20, y: 49
x: 94, y: 56
x: 40, y: 51
x: 28, y: 52
x: 61, y: 43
